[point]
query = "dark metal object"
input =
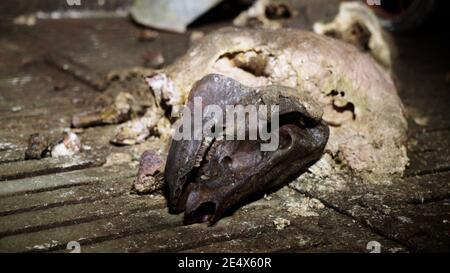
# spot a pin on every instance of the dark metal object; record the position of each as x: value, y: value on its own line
x: 208, y: 177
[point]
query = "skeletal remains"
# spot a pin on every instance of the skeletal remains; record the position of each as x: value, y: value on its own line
x: 338, y: 107
x: 362, y: 118
x: 208, y: 176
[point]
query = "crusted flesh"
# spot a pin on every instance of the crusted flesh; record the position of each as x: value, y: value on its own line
x: 360, y: 101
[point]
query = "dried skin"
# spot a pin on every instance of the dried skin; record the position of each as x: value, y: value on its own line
x: 139, y: 129
x: 358, y: 96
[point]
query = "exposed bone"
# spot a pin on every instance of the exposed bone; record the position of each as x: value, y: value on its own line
x: 264, y: 13
x: 357, y: 24
x: 164, y: 89
x: 196, y: 36
x: 138, y: 129
x: 69, y: 145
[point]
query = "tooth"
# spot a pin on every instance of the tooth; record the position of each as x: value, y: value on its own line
x: 201, y: 152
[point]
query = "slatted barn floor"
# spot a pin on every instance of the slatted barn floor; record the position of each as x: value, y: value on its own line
x: 44, y: 204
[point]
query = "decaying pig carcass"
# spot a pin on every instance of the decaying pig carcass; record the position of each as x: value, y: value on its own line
x: 367, y: 127
x: 358, y: 97
x: 355, y: 23
x: 343, y: 95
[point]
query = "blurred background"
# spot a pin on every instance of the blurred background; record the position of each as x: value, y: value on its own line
x: 398, y: 15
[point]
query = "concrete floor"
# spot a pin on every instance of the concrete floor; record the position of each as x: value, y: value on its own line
x: 44, y: 204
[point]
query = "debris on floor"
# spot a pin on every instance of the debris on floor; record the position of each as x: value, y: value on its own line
x: 150, y: 176
x: 357, y: 24
x: 16, y: 109
x: 304, y: 207
x: 365, y: 110
x: 421, y: 121
x: 172, y: 15
x: 122, y: 109
x: 68, y: 146
x: 38, y: 147
x: 139, y: 129
x: 117, y: 159
x: 25, y: 20
x: 147, y: 35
